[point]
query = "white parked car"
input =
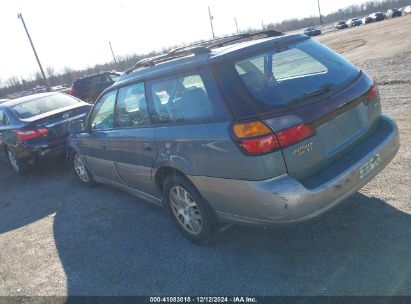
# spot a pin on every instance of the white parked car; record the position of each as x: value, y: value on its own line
x: 407, y: 9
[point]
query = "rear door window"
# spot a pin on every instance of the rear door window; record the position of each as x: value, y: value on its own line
x: 181, y: 98
x: 131, y: 108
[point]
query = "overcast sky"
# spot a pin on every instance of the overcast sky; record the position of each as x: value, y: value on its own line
x: 75, y: 33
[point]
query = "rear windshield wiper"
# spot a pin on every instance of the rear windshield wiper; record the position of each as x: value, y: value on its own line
x: 324, y: 89
x: 321, y: 91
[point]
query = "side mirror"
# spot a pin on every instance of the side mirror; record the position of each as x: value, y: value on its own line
x: 76, y: 127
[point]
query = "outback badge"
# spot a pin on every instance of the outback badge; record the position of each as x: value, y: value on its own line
x: 303, y: 149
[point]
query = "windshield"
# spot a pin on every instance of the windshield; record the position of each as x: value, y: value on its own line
x: 302, y: 71
x: 43, y: 105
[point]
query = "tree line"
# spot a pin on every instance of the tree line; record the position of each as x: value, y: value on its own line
x: 68, y: 75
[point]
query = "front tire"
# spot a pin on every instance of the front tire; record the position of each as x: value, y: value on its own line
x: 80, y: 170
x: 191, y: 214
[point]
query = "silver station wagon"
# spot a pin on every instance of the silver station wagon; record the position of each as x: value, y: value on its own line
x: 259, y: 129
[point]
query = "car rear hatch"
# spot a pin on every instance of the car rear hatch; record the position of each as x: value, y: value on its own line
x: 338, y: 123
x: 318, y: 105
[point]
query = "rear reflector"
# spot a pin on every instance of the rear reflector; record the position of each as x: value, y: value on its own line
x: 372, y: 93
x: 23, y: 135
x: 71, y: 91
x: 255, y: 138
x: 260, y: 145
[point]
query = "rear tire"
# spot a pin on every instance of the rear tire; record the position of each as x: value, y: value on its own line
x: 192, y: 215
x: 80, y: 170
x: 16, y: 164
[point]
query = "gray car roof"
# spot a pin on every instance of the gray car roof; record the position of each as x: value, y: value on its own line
x: 191, y: 62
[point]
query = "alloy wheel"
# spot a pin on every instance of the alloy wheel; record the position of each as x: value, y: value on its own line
x: 80, y: 169
x: 185, y: 210
x: 13, y: 161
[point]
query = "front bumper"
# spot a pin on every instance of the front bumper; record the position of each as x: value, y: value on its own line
x: 283, y: 199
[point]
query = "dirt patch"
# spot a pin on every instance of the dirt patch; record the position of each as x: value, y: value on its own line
x: 382, y: 40
x: 346, y: 46
x: 386, y: 56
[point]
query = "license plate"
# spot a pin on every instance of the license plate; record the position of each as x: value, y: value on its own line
x: 370, y: 166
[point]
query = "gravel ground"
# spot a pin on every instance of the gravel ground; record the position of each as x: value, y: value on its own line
x: 58, y: 238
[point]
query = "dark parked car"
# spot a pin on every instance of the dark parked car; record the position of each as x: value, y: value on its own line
x: 258, y: 131
x: 312, y: 31
x: 354, y: 22
x: 378, y: 16
x: 89, y: 87
x: 35, y: 127
x: 391, y: 13
x: 366, y: 20
x: 340, y: 25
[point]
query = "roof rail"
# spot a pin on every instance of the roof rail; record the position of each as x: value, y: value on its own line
x: 173, y: 54
x: 199, y: 48
x: 231, y: 39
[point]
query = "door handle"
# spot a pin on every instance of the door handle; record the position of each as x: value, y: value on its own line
x: 147, y: 146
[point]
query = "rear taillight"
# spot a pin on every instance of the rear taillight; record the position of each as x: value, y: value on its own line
x: 71, y: 91
x: 259, y: 145
x: 255, y: 138
x: 23, y: 135
x: 294, y: 135
x: 372, y: 94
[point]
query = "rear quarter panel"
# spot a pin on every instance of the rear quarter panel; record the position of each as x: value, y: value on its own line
x: 208, y: 150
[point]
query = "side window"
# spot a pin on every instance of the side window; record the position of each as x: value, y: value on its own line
x: 102, y: 117
x: 181, y: 98
x: 131, y: 109
x: 113, y: 77
x: 100, y: 80
x: 3, y: 119
x: 106, y: 79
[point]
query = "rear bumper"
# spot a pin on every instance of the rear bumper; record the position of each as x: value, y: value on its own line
x: 30, y: 152
x: 283, y: 199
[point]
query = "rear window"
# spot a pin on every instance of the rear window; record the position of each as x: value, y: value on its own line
x: 43, y: 105
x: 80, y: 83
x: 301, y: 72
